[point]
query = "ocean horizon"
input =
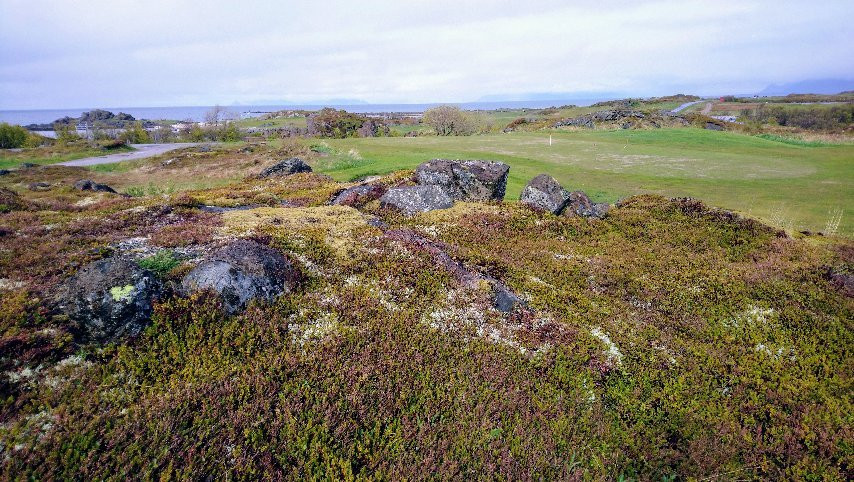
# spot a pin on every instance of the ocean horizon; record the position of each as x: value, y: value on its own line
x: 197, y: 113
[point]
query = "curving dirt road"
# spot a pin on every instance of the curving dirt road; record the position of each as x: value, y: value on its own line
x: 142, y: 151
x: 684, y: 106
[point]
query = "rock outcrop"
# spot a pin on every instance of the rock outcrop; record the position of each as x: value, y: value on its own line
x: 241, y: 271
x: 286, y: 168
x: 109, y: 300
x: 611, y: 115
x: 38, y: 186
x: 359, y: 195
x: 412, y: 200
x: 90, y: 185
x: 465, y: 180
x: 544, y: 193
x: 503, y: 298
x: 581, y: 205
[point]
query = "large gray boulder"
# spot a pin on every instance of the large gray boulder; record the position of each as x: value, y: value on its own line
x: 359, y: 195
x: 581, y: 205
x: 109, y: 299
x: 241, y: 271
x: 465, y: 180
x: 544, y: 193
x: 416, y: 199
x: 286, y: 168
x: 90, y: 185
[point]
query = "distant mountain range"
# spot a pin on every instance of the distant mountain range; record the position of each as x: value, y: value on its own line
x: 313, y: 102
x: 814, y: 86
x: 540, y: 96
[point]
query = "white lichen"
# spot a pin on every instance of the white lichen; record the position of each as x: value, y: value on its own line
x: 611, y: 351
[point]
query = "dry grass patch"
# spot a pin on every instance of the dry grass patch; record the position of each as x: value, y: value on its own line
x: 340, y: 226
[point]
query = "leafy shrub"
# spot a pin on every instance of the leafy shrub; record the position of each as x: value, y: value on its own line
x: 339, y: 124
x: 135, y: 134
x: 12, y: 136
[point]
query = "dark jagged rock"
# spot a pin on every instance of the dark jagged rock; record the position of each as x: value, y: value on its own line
x: 377, y: 223
x: 241, y: 271
x: 544, y: 193
x: 465, y: 180
x: 842, y: 280
x: 286, y: 168
x: 416, y: 199
x: 109, y: 299
x: 3, y: 172
x: 359, y: 195
x: 28, y: 165
x: 90, y: 185
x: 38, y: 186
x: 581, y: 205
x: 503, y: 298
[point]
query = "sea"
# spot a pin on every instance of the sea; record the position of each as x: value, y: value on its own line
x: 197, y: 113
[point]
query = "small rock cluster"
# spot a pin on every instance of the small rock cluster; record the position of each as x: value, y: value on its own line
x: 90, y: 185
x: 441, y: 182
x: 112, y: 298
x: 544, y: 193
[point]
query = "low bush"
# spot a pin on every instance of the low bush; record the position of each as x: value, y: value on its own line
x: 12, y: 136
x: 161, y: 262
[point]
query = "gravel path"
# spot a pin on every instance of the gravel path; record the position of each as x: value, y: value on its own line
x: 142, y: 151
x: 684, y: 106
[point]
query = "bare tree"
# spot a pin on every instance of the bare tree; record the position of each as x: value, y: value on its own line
x: 213, y: 116
x: 449, y: 120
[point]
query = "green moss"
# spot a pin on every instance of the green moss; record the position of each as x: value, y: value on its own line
x: 161, y: 262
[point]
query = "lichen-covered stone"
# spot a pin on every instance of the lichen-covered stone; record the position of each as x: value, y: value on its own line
x: 109, y: 299
x: 544, y: 193
x: 241, y: 271
x: 359, y: 195
x: 474, y: 180
x: 412, y: 200
x: 581, y: 205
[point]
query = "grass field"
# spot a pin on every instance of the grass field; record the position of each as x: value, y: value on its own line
x: 791, y: 186
x: 277, y: 122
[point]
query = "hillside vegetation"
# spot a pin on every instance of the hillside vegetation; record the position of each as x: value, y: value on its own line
x: 667, y: 340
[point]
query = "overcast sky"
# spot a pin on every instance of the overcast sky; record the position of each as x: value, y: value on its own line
x: 63, y: 54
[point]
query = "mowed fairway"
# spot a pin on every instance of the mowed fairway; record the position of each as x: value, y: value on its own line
x: 791, y: 186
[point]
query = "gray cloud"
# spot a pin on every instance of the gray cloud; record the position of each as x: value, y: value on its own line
x: 112, y: 53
